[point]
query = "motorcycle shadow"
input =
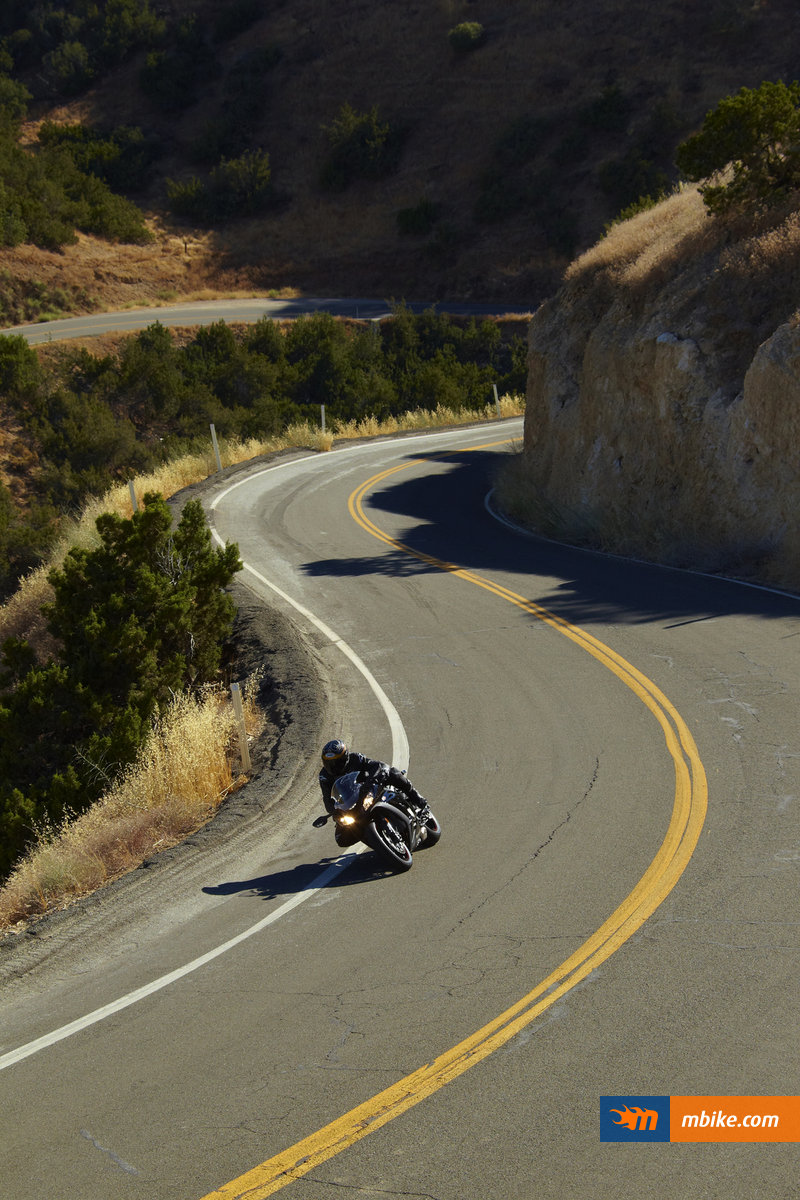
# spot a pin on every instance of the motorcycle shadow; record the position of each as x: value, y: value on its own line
x: 365, y: 868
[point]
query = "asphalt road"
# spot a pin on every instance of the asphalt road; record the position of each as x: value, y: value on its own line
x: 548, y: 703
x: 205, y: 312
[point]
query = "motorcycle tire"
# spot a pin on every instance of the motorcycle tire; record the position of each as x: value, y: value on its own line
x: 434, y: 832
x: 382, y: 836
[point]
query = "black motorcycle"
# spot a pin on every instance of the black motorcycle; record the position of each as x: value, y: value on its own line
x: 382, y: 817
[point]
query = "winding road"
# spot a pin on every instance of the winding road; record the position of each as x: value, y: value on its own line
x: 586, y: 927
x: 613, y: 751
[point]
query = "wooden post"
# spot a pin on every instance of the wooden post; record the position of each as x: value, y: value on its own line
x: 239, y: 711
x: 134, y: 501
x: 322, y: 416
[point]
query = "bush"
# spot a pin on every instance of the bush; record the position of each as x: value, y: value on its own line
x: 237, y: 187
x: 67, y: 68
x: 241, y: 187
x: 754, y: 134
x: 14, y: 99
x: 469, y: 35
x: 362, y: 146
x: 45, y: 197
x: 138, y: 620
x: 608, y: 112
x: 121, y: 157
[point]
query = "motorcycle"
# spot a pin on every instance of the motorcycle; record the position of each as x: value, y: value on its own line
x: 381, y: 817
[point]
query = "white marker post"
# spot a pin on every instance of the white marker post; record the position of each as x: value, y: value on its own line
x: 215, y: 444
x: 496, y: 399
x: 237, y: 708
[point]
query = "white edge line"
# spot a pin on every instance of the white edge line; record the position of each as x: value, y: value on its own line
x: 488, y: 504
x: 115, y: 1006
x: 400, y: 756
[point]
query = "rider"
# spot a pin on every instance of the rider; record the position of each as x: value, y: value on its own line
x: 337, y: 760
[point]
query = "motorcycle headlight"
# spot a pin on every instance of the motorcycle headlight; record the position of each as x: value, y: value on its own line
x: 345, y: 820
x: 367, y: 802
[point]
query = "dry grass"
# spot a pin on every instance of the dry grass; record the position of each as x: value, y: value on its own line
x: 189, y: 765
x: 646, y: 249
x: 743, y: 266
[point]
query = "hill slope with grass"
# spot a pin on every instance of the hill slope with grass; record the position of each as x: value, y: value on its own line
x: 361, y: 148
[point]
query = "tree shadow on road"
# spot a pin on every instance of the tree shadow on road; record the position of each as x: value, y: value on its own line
x: 444, y: 525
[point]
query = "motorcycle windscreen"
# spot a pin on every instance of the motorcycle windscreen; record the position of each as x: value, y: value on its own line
x: 346, y: 792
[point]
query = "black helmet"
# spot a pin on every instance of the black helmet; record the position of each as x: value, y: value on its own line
x: 334, y: 757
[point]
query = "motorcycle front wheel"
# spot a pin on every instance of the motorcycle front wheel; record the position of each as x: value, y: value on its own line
x: 434, y: 832
x: 383, y: 836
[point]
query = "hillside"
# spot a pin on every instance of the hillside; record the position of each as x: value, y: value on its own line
x: 510, y: 157
x: 663, y: 395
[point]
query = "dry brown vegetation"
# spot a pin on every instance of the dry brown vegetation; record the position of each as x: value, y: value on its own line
x: 734, y: 280
x: 540, y: 59
x: 188, y: 767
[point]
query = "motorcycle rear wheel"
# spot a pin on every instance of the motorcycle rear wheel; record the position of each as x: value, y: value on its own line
x: 383, y: 836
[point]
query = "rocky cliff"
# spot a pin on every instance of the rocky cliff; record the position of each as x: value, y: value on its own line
x: 663, y: 413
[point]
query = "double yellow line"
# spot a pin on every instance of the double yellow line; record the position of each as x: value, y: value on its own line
x: 688, y: 815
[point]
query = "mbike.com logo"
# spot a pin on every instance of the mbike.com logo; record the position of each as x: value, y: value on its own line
x: 634, y: 1118
x: 700, y: 1118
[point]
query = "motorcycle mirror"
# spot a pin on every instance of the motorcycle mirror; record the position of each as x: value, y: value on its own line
x: 318, y: 822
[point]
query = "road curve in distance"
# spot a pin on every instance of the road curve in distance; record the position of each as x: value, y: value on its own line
x: 206, y: 312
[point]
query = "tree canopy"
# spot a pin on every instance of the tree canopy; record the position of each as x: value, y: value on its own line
x: 748, y: 150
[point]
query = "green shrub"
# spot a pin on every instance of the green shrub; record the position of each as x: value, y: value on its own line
x: 14, y: 99
x: 26, y: 537
x: 138, y: 619
x: 67, y: 69
x: 125, y: 26
x: 469, y: 35
x: 45, y: 197
x: 188, y: 198
x: 121, y: 157
x: 64, y: 47
x: 241, y: 187
x: 362, y: 146
x: 237, y: 187
x: 756, y: 136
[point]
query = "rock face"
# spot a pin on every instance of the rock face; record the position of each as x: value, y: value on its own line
x: 655, y: 426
